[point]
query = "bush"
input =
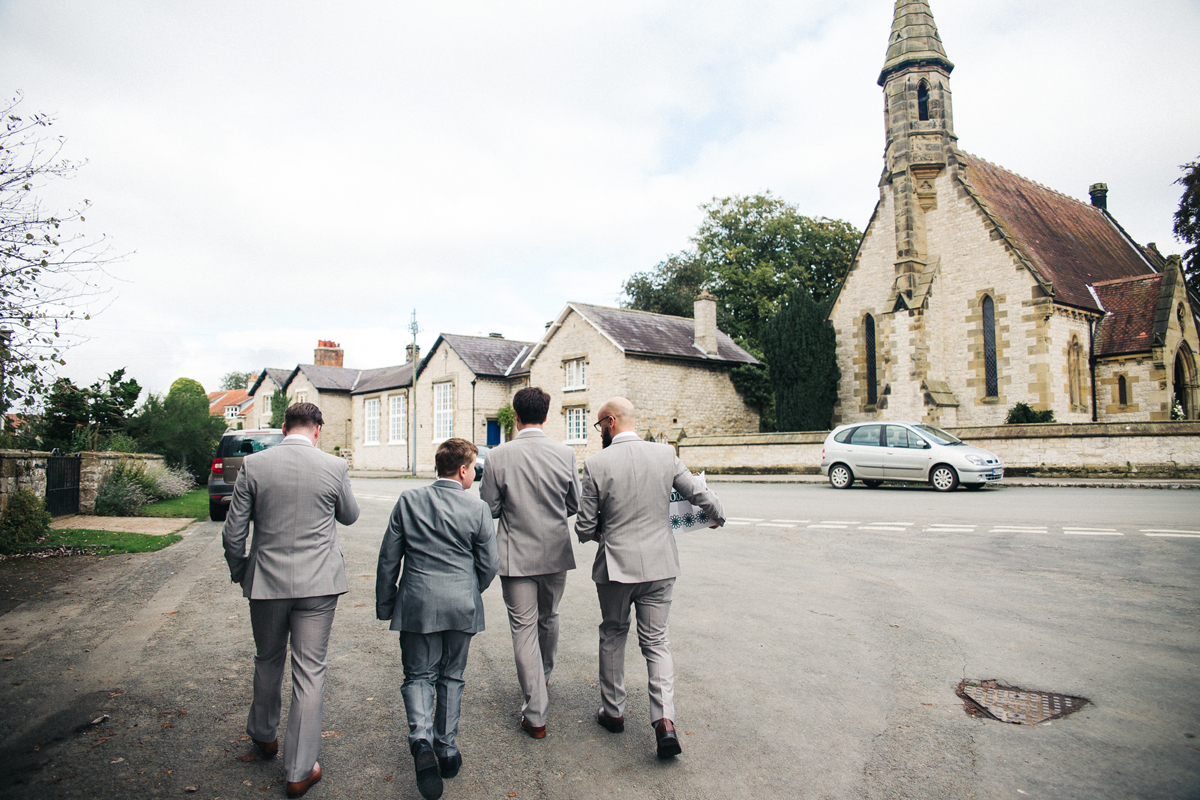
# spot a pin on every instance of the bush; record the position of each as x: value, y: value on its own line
x: 165, y: 483
x: 119, y: 443
x: 25, y: 520
x: 1022, y: 414
x: 124, y: 491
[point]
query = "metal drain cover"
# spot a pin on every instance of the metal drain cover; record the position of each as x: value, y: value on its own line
x: 990, y: 700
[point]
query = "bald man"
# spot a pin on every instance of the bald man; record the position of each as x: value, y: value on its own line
x: 625, y: 497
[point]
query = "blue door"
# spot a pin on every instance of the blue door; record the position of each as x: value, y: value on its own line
x: 493, y: 433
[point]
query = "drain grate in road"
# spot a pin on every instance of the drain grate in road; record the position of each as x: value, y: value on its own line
x: 990, y: 700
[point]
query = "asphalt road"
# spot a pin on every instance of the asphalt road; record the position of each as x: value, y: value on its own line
x: 817, y: 643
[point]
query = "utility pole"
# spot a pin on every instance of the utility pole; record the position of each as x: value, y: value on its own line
x: 414, y: 329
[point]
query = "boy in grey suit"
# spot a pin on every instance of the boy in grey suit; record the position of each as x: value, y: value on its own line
x: 292, y: 576
x: 625, y: 497
x: 530, y: 484
x: 444, y: 539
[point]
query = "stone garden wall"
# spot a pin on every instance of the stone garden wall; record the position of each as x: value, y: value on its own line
x: 26, y: 469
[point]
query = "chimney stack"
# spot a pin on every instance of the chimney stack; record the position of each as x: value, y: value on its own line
x: 705, y: 313
x: 412, y: 352
x: 1099, y: 193
x: 327, y: 354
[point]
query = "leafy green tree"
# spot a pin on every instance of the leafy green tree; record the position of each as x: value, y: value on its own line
x: 750, y: 252
x: 801, y: 350
x: 235, y: 380
x: 1187, y: 223
x: 48, y: 270
x: 278, y: 408
x: 76, y: 419
x: 179, y: 427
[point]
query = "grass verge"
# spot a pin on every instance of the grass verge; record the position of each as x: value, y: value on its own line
x: 105, y: 543
x: 194, y: 504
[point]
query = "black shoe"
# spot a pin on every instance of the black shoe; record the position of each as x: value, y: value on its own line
x: 429, y: 780
x: 449, y: 767
x: 668, y: 742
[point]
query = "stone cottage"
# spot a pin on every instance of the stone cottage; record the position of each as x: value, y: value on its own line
x: 262, y: 390
x: 675, y: 371
x: 380, y: 408
x: 975, y: 288
x: 460, y: 388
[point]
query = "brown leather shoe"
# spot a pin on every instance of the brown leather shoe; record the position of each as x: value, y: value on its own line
x: 298, y: 788
x: 668, y: 742
x: 536, y: 731
x: 267, y: 749
x: 613, y: 724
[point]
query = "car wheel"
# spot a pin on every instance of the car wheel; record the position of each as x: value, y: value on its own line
x: 974, y: 487
x: 872, y: 484
x: 217, y: 511
x: 840, y: 476
x: 943, y: 478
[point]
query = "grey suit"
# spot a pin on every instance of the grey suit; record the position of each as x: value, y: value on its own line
x: 443, y: 539
x: 530, y: 485
x: 625, y: 497
x: 292, y: 576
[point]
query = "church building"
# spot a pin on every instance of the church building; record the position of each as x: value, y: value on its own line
x: 974, y: 288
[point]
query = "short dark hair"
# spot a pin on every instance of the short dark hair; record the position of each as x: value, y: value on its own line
x: 452, y: 454
x: 531, y: 405
x: 303, y: 415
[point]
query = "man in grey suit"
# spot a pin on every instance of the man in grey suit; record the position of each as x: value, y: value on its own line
x: 292, y: 576
x: 530, y: 484
x: 625, y: 499
x: 444, y: 539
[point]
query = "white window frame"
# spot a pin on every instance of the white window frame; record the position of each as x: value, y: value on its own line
x: 301, y: 397
x: 231, y: 412
x: 443, y: 411
x: 576, y: 374
x: 577, y: 425
x: 397, y: 419
x: 266, y: 406
x: 371, y: 421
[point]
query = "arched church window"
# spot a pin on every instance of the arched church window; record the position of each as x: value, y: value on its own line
x: 991, y: 378
x: 923, y: 101
x: 1122, y: 391
x: 1075, y: 373
x: 1184, y: 383
x: 872, y: 378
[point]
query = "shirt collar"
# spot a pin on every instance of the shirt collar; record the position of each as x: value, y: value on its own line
x: 531, y: 432
x: 298, y: 437
x: 626, y: 436
x: 448, y: 482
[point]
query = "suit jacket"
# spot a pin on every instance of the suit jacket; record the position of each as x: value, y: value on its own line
x: 293, y: 492
x: 626, y: 494
x: 530, y: 485
x: 444, y: 539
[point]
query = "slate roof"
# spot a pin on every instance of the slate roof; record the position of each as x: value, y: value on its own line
x: 1128, y: 327
x: 328, y: 379
x: 1068, y: 244
x: 280, y: 376
x: 658, y: 334
x: 377, y: 380
x: 487, y: 355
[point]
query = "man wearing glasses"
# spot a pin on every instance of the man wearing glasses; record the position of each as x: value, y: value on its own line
x: 626, y: 490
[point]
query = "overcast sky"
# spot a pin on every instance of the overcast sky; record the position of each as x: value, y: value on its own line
x: 280, y: 173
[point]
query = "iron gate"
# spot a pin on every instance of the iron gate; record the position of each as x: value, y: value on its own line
x: 62, y: 485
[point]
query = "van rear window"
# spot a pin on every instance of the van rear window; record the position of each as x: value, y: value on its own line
x: 245, y: 444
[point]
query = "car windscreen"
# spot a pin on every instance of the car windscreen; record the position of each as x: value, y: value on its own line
x: 938, y: 435
x: 243, y: 444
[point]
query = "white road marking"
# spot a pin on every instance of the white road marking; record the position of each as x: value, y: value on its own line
x: 775, y: 525
x: 882, y: 528
x: 841, y: 522
x: 839, y: 527
x: 1167, y: 530
x: 1176, y: 535
x: 949, y: 525
x: 1031, y: 528
x: 744, y: 519
x: 1073, y: 529
x: 736, y: 522
x: 1093, y: 533
x: 951, y: 530
x: 793, y: 521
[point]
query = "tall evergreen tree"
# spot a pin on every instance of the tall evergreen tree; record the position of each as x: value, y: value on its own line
x: 1187, y: 223
x: 801, y: 351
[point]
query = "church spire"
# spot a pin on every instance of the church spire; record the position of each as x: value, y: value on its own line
x: 914, y: 40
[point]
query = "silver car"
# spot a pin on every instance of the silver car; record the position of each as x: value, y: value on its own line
x: 874, y: 452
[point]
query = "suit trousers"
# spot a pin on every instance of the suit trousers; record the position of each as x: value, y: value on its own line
x: 532, y: 602
x: 307, y: 621
x: 433, y: 666
x: 652, y: 603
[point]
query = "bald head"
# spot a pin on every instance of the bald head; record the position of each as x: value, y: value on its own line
x: 621, y: 410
